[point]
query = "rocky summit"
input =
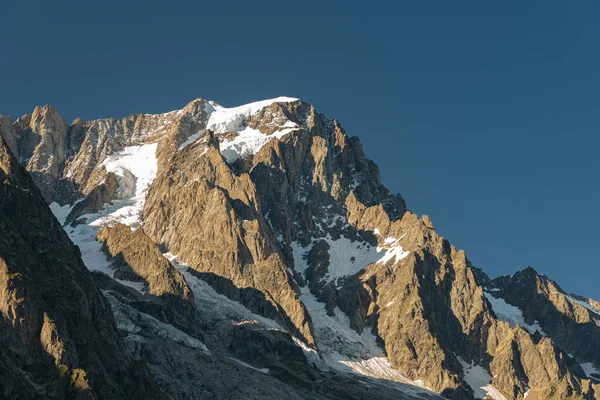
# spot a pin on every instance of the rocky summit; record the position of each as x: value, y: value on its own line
x: 253, y: 253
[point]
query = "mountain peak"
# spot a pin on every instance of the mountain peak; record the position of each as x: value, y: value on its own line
x: 45, y: 109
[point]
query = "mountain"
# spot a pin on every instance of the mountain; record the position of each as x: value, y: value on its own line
x: 254, y: 252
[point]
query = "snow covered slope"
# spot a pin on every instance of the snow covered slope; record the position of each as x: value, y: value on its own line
x: 135, y: 167
x: 480, y: 381
x: 511, y: 314
x: 247, y: 141
x: 348, y: 257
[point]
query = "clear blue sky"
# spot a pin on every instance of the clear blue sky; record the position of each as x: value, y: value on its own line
x: 484, y: 115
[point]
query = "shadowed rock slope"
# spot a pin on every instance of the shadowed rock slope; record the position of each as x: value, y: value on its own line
x: 58, y: 336
x: 137, y: 259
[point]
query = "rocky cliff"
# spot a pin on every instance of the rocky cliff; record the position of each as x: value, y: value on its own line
x: 59, y: 337
x: 571, y: 321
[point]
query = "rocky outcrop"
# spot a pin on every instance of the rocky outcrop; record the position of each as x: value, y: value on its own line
x: 93, y: 141
x: 211, y: 218
x: 59, y: 338
x: 7, y: 131
x: 137, y: 259
x: 66, y: 162
x: 41, y: 140
x: 442, y: 314
x: 245, y: 359
x: 101, y: 195
x: 444, y: 318
x: 424, y: 302
x: 571, y: 323
x: 305, y: 177
x: 314, y: 183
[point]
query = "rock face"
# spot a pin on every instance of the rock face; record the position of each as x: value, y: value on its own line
x: 211, y: 218
x: 137, y: 259
x: 570, y: 321
x: 242, y: 249
x: 40, y: 140
x: 59, y: 338
x: 67, y: 161
x: 7, y: 131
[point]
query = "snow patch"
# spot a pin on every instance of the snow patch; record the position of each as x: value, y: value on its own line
x: 395, y: 251
x: 345, y: 350
x: 248, y: 142
x: 62, y: 212
x: 591, y: 370
x: 582, y: 303
x: 224, y: 119
x: 214, y: 306
x: 511, y: 314
x: 263, y: 370
x: 135, y: 167
x: 348, y: 257
x: 310, y: 353
x: 190, y: 140
x: 480, y: 381
x: 133, y: 321
x: 139, y: 286
x: 379, y: 368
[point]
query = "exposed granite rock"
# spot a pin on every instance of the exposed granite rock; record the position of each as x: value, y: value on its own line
x: 7, y: 131
x: 59, y: 338
x: 138, y: 259
x: 427, y: 308
x: 245, y: 360
x: 441, y: 313
x: 564, y: 318
x: 211, y: 218
x: 41, y: 140
x: 95, y: 200
x: 66, y: 161
x: 313, y: 168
